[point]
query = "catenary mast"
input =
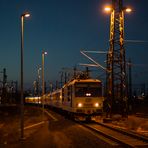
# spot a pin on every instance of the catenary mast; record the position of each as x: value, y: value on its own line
x: 116, y: 64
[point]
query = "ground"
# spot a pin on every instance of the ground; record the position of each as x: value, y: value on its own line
x: 55, y: 133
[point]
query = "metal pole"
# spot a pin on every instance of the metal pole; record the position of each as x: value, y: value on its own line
x: 22, y: 89
x: 22, y: 83
x: 38, y: 92
x: 43, y: 85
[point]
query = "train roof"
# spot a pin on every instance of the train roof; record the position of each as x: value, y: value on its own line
x: 81, y: 80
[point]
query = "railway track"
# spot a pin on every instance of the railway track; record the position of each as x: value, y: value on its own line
x: 142, y: 115
x: 120, y: 137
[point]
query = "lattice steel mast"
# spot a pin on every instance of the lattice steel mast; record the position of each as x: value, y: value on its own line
x: 116, y: 64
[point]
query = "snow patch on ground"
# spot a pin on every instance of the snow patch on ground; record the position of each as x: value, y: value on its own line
x: 133, y: 123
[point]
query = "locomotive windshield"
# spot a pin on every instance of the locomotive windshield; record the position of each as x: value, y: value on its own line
x: 89, y: 89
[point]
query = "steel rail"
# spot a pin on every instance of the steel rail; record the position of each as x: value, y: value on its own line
x: 122, y: 141
x: 125, y: 132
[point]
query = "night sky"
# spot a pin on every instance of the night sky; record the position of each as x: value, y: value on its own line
x: 63, y: 28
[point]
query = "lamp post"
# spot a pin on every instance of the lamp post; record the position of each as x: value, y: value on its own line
x: 43, y: 82
x: 22, y: 88
x: 38, y: 84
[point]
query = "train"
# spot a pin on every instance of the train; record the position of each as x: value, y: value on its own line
x: 78, y: 98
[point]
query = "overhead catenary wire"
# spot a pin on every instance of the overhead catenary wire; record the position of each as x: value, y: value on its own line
x: 96, y: 63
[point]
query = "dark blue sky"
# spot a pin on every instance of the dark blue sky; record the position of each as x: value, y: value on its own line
x: 63, y: 28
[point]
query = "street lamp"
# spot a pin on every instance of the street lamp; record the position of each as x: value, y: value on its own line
x: 43, y: 83
x: 128, y: 10
x: 110, y: 8
x: 22, y: 89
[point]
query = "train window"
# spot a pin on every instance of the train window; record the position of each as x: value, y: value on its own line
x: 69, y: 93
x: 89, y: 89
x: 62, y: 94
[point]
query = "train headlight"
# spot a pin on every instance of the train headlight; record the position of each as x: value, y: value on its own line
x: 88, y: 94
x: 96, y: 104
x: 79, y: 104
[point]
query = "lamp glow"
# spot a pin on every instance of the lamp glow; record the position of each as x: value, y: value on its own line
x: 96, y: 104
x: 128, y: 10
x: 108, y: 9
x: 45, y: 52
x: 27, y: 15
x: 79, y: 104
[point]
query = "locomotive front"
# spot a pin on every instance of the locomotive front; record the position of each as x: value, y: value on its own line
x: 88, y: 100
